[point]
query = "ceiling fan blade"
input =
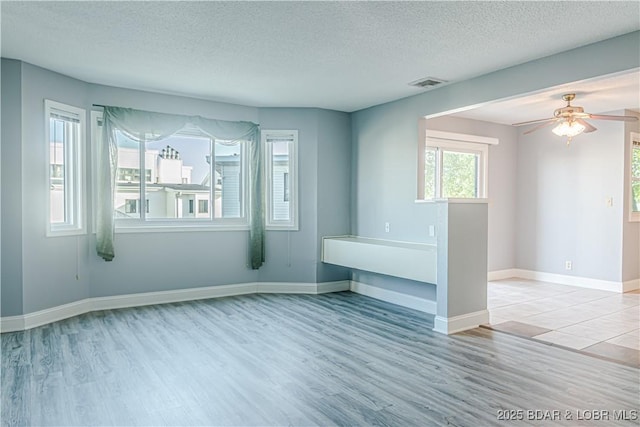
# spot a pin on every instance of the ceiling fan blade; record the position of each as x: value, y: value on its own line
x: 540, y: 126
x: 530, y: 122
x: 606, y: 117
x: 588, y: 127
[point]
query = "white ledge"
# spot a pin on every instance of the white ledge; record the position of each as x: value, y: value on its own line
x: 407, y: 260
x: 456, y: 200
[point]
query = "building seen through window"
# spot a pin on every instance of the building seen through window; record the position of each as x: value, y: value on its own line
x: 178, y: 182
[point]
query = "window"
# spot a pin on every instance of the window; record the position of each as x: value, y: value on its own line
x: 230, y: 174
x: 203, y: 206
x: 452, y: 165
x: 131, y: 206
x: 186, y: 170
x: 64, y: 133
x: 635, y: 178
x: 280, y: 147
x: 285, y: 195
x: 132, y: 175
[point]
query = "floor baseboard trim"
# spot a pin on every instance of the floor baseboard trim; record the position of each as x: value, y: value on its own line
x: 562, y: 279
x: 302, y: 288
x: 502, y: 274
x: 578, y: 281
x: 12, y: 324
x: 631, y: 285
x: 166, y: 297
x: 452, y: 325
x: 54, y: 314
x: 339, y: 286
x: 393, y: 297
x: 286, y: 288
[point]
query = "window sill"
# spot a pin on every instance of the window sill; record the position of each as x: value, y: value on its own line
x: 458, y: 200
x: 281, y: 229
x: 66, y: 233
x: 178, y: 228
x: 272, y: 227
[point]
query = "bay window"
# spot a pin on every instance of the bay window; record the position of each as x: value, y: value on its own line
x: 184, y: 174
x: 175, y: 163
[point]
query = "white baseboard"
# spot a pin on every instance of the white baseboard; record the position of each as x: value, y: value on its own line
x: 12, y: 324
x: 286, y: 288
x: 562, y: 279
x: 54, y: 314
x: 393, y: 297
x: 502, y: 274
x: 451, y: 325
x: 631, y: 285
x: 340, y: 286
x: 581, y: 282
x: 165, y: 297
x: 301, y: 288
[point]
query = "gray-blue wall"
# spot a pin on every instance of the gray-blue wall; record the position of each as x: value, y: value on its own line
x: 291, y: 255
x: 385, y: 144
x: 11, y: 214
x: 49, y: 264
x: 562, y: 213
x: 148, y: 262
x: 39, y: 272
x: 502, y: 180
x: 324, y: 157
x: 357, y: 172
x: 334, y: 186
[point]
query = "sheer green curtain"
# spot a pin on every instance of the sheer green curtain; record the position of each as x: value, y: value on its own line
x: 142, y: 126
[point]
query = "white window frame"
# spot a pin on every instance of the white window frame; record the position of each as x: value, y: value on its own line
x: 292, y: 137
x: 633, y: 216
x: 143, y: 224
x: 74, y: 175
x: 96, y: 117
x: 456, y: 142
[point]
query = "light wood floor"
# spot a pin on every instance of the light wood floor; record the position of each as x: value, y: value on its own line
x: 334, y: 359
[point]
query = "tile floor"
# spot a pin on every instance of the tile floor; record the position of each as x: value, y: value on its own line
x: 601, y: 323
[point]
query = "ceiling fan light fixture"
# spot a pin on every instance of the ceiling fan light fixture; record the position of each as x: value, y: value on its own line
x: 569, y: 128
x: 570, y: 120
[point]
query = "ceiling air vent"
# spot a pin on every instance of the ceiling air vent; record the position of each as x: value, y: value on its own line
x: 427, y: 83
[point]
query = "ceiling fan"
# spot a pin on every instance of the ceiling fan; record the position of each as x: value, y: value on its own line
x: 570, y: 120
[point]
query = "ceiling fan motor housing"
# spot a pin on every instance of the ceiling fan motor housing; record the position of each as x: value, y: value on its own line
x: 569, y: 112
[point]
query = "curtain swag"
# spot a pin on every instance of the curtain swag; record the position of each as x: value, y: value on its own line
x: 142, y: 126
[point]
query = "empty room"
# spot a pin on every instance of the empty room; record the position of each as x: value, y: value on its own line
x: 320, y: 213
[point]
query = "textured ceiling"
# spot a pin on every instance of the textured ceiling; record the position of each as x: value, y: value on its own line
x: 337, y: 55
